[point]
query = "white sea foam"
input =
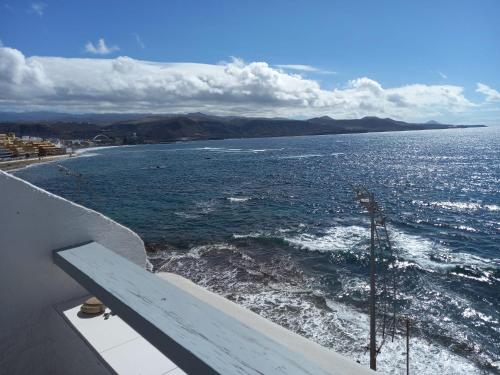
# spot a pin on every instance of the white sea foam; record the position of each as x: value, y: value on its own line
x: 423, y: 252
x: 236, y: 150
x: 293, y: 301
x: 492, y: 207
x: 484, y: 279
x: 266, y: 150
x: 302, y: 156
x: 205, y: 207
x: 238, y: 199
x: 474, y: 260
x: 470, y: 312
x: 199, y: 251
x: 90, y: 149
x: 88, y: 154
x: 334, y: 239
x: 186, y: 215
x: 249, y: 235
x: 207, y: 148
x: 346, y: 331
x: 467, y: 228
x: 459, y: 206
x: 418, y: 250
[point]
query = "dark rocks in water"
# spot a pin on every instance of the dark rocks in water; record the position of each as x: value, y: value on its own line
x: 152, y: 247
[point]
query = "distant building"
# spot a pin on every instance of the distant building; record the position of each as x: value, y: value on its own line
x: 5, y: 153
x: 11, y: 146
x: 28, y: 138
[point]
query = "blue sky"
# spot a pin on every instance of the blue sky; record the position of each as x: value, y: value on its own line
x: 331, y: 43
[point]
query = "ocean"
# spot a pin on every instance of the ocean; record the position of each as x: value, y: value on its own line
x: 272, y: 224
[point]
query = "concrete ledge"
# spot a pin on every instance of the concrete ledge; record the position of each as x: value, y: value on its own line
x: 201, y: 332
x: 329, y: 360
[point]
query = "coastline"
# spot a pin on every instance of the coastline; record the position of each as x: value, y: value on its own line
x: 13, y: 165
x: 16, y: 165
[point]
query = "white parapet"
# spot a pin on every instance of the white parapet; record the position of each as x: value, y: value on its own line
x: 34, y: 338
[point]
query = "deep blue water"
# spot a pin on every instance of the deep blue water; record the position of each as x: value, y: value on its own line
x: 272, y: 225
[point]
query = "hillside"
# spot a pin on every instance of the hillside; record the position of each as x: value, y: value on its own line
x: 167, y: 128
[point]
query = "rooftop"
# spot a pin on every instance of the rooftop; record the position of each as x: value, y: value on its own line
x: 119, y: 345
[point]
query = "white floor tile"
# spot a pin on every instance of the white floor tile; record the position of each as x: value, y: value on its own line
x: 138, y: 357
x: 101, y: 333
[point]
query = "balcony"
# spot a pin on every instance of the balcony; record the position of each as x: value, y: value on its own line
x: 54, y: 254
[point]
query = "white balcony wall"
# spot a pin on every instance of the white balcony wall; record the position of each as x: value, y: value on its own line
x: 34, y: 338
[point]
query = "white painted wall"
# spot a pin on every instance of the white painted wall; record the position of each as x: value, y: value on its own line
x: 34, y: 338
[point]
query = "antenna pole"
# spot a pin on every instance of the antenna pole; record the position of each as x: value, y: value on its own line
x: 407, y: 346
x: 373, y: 337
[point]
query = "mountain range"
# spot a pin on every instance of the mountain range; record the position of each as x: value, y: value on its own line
x: 150, y: 128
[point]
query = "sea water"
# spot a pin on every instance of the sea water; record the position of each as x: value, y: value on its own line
x: 272, y: 225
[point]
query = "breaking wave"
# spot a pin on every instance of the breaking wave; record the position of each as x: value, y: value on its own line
x: 411, y: 251
x: 333, y: 239
x: 302, y: 156
x: 238, y: 199
x: 459, y: 206
x: 88, y: 154
x: 280, y: 291
x: 236, y: 150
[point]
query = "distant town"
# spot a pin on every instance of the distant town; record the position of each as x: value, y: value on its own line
x: 17, y: 152
x: 12, y: 147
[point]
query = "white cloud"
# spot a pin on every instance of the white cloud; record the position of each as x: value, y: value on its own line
x: 304, y: 68
x: 38, y: 8
x: 491, y: 94
x: 124, y: 84
x: 139, y: 41
x: 18, y: 74
x: 100, y: 48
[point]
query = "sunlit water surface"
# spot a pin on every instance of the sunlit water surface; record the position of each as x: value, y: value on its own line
x: 272, y: 225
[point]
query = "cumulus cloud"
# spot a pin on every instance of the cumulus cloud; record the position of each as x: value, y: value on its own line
x: 100, y: 48
x: 38, y: 8
x: 491, y: 94
x: 124, y: 84
x: 18, y: 74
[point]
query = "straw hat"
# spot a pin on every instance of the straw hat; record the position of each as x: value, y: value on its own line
x: 92, y: 306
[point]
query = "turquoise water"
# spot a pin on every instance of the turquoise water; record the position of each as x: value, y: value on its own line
x: 272, y: 224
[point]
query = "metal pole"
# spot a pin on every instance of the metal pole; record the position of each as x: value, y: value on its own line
x: 407, y: 346
x: 373, y: 338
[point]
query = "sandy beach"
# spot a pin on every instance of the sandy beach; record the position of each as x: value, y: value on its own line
x: 11, y: 165
x: 21, y: 163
